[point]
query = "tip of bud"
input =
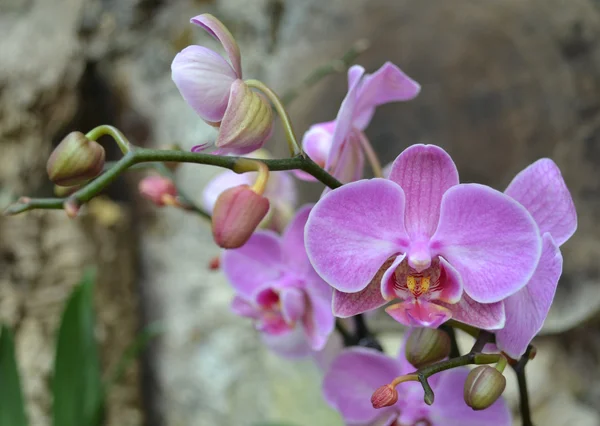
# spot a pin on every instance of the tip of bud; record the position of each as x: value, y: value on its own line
x: 483, y: 387
x: 158, y: 189
x: 385, y: 396
x: 75, y: 160
x: 237, y: 213
x: 215, y: 263
x: 425, y: 346
x: 72, y: 207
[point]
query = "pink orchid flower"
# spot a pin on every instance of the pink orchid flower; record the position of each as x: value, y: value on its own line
x: 357, y: 373
x: 338, y: 145
x: 541, y: 189
x: 444, y: 249
x: 213, y: 87
x: 277, y: 287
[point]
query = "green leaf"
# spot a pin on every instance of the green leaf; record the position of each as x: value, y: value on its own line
x: 12, y: 409
x: 77, y: 386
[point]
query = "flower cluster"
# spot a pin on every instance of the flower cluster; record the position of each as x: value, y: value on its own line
x: 413, y: 238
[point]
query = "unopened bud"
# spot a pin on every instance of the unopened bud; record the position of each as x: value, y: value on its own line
x: 385, y: 396
x: 75, y: 160
x: 236, y: 214
x: 158, y: 189
x: 483, y: 387
x: 425, y: 346
x: 215, y: 263
x: 72, y: 207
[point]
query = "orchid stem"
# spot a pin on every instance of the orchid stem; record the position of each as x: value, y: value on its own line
x: 143, y: 155
x: 295, y: 149
x: 371, y: 155
x: 519, y: 369
x: 105, y: 129
x: 454, y: 349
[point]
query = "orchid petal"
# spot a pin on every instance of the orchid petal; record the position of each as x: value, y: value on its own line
x: 388, y: 290
x: 488, y: 316
x: 527, y: 309
x: 419, y: 314
x: 317, y: 140
x: 247, y: 122
x: 243, y: 308
x: 343, y: 121
x: 387, y: 84
x: 219, y: 31
x: 425, y: 173
x: 257, y: 262
x: 291, y: 345
x: 451, y: 289
x: 318, y: 321
x: 542, y: 190
x: 349, y: 166
x: 292, y: 241
x: 489, y: 238
x: 353, y: 230
x: 450, y: 408
x: 352, y: 379
x: 349, y: 304
x: 204, y: 79
x: 292, y: 304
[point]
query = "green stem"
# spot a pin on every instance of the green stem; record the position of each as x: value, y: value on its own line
x: 524, y: 407
x: 293, y: 145
x: 471, y: 358
x: 115, y: 133
x: 142, y: 155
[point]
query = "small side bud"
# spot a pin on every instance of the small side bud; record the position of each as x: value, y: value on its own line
x: 236, y: 214
x: 158, y: 189
x: 385, y: 396
x: 425, y: 346
x: 483, y: 387
x: 72, y: 207
x: 75, y: 160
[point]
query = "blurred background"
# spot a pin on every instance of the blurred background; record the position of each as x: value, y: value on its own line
x: 503, y: 84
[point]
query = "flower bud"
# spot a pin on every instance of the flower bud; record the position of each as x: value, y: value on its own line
x: 75, y: 160
x: 158, y: 189
x: 236, y: 214
x: 484, y: 385
x: 385, y: 396
x: 65, y: 191
x: 425, y: 346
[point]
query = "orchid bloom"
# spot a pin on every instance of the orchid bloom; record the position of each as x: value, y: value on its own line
x: 444, y: 249
x: 358, y: 372
x: 338, y: 145
x: 541, y: 189
x: 214, y: 88
x: 280, y: 191
x: 277, y: 287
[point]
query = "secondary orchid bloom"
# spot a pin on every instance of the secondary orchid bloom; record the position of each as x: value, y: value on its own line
x: 277, y: 287
x: 214, y: 88
x: 357, y: 373
x: 541, y: 189
x: 444, y: 249
x: 338, y: 145
x: 280, y: 191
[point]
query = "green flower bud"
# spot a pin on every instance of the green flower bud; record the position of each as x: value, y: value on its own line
x: 483, y: 387
x: 75, y: 160
x: 425, y: 346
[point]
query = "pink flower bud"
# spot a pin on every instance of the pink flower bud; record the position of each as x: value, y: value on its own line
x: 75, y: 160
x: 236, y: 214
x: 385, y: 396
x: 158, y: 189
